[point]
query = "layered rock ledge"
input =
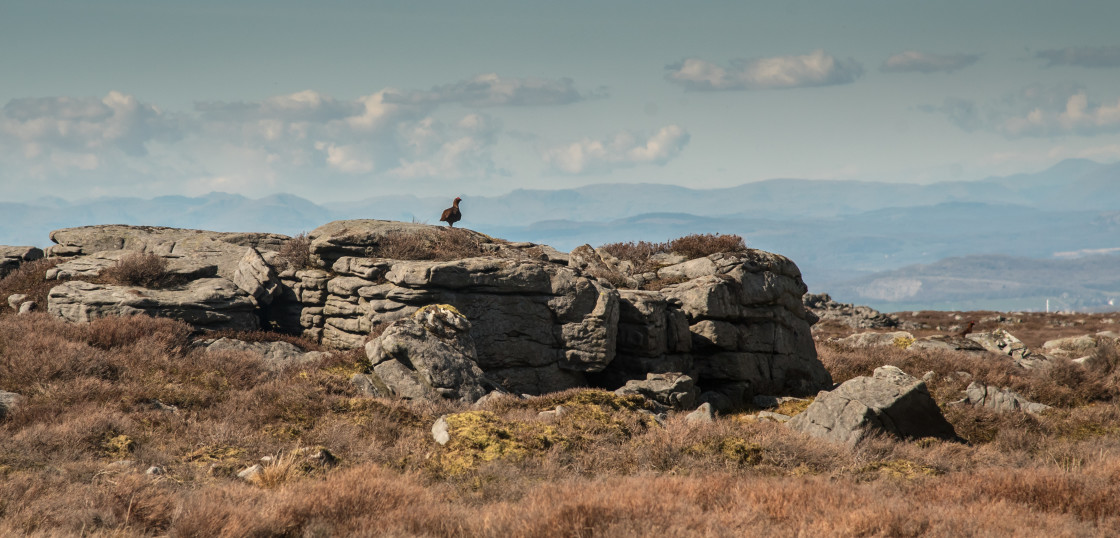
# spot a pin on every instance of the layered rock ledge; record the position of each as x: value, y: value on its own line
x: 541, y: 320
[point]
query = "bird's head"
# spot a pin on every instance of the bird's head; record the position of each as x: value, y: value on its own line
x: 457, y: 199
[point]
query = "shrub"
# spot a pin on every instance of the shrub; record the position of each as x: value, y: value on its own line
x: 144, y: 269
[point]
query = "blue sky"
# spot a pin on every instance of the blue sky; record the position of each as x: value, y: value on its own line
x: 340, y: 100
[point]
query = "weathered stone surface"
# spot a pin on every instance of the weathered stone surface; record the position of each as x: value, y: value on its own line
x: 189, y: 251
x: 168, y: 242
x: 1084, y: 349
x: 16, y: 299
x: 857, y: 317
x: 525, y: 313
x: 276, y: 355
x: 673, y: 389
x: 1004, y: 343
x: 949, y: 343
x: 12, y: 257
x: 890, y: 402
x: 429, y: 355
x: 900, y: 339
x: 702, y: 414
x: 209, y: 303
x: 256, y: 277
x: 28, y: 306
x: 362, y: 238
x: 1002, y: 400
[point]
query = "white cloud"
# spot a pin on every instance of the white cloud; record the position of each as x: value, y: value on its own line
x: 42, y: 128
x: 1099, y: 57
x: 492, y: 90
x: 346, y: 159
x: 814, y: 69
x: 624, y: 149
x: 1078, y: 117
x: 924, y: 62
x: 1036, y: 111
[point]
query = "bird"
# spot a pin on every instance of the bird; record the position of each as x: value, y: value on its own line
x: 452, y: 215
x: 967, y: 329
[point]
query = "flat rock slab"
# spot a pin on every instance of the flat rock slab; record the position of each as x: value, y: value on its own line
x: 209, y: 303
x: 890, y: 402
x: 364, y: 238
x: 276, y: 355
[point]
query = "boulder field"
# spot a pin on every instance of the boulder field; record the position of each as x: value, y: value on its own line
x: 540, y: 320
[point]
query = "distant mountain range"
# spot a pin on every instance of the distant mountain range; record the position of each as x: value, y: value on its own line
x: 845, y: 235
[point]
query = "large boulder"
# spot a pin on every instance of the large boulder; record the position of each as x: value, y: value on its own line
x: 209, y: 303
x: 12, y: 257
x: 750, y: 332
x: 890, y: 402
x: 428, y: 355
x: 1002, y: 342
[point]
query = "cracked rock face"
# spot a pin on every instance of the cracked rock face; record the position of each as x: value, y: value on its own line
x: 890, y: 402
x: 428, y: 355
x: 208, y: 303
x: 12, y: 257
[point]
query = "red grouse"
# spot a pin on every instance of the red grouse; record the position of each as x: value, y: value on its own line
x: 452, y: 215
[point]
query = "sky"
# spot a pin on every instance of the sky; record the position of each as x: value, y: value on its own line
x: 345, y: 100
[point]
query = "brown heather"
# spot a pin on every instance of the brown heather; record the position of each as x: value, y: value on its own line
x: 95, y: 416
x: 440, y: 244
x: 144, y: 269
x: 690, y: 246
x: 295, y: 253
x: 28, y: 279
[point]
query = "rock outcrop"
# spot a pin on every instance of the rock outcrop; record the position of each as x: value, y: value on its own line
x: 540, y: 320
x: 857, y: 317
x: 12, y: 257
x: 890, y: 402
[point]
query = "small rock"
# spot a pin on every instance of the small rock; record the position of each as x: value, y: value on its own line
x: 15, y: 299
x: 553, y: 414
x: 701, y: 414
x: 439, y: 431
x: 267, y: 460
x: 250, y: 472
x: 776, y: 417
x: 27, y: 306
x: 158, y: 405
x: 155, y: 470
x: 929, y: 377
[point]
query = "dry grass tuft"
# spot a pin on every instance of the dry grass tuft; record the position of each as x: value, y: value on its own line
x: 641, y: 253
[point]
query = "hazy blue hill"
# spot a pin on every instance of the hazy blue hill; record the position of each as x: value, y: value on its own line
x: 968, y: 282
x: 836, y: 231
